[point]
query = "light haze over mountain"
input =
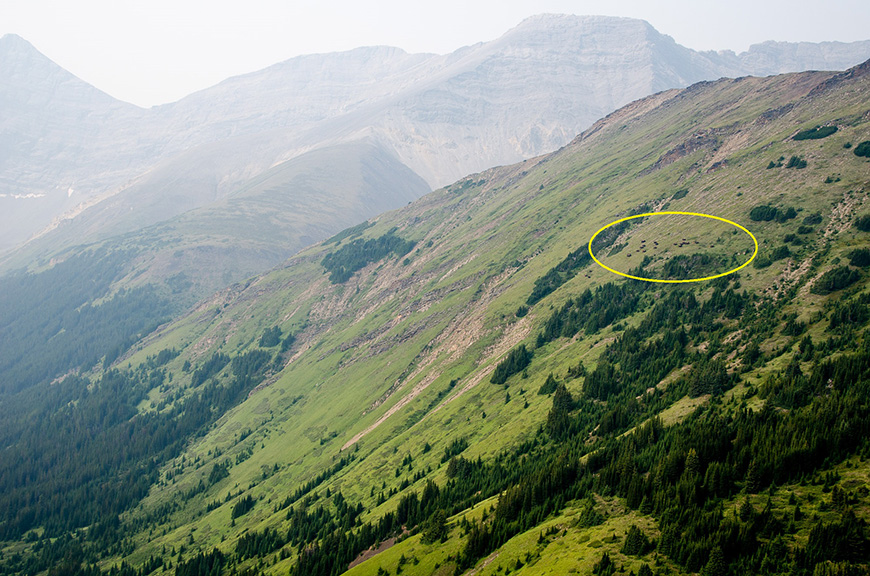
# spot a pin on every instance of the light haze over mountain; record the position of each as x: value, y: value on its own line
x: 249, y: 339
x: 66, y: 147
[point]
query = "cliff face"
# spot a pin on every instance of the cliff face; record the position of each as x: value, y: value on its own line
x: 65, y: 145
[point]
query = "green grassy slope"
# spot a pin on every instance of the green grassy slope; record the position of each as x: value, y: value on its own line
x: 391, y: 367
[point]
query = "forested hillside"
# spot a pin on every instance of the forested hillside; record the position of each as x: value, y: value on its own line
x: 457, y: 387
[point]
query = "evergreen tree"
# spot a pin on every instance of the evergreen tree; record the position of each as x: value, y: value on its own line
x: 435, y: 528
x: 636, y: 542
x: 716, y: 565
x: 605, y: 566
x: 747, y: 512
x: 559, y: 420
x: 549, y: 385
x: 753, y: 478
x: 515, y: 362
x: 693, y: 463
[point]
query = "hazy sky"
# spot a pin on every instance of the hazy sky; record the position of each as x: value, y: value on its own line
x: 154, y: 51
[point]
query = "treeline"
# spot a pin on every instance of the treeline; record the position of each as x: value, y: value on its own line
x: 593, y: 310
x: 680, y: 474
x: 359, y: 253
x: 515, y: 362
x: 573, y: 263
x: 50, y: 325
x: 539, y: 477
x: 87, y: 455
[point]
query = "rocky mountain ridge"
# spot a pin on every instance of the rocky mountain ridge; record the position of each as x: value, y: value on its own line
x: 66, y: 145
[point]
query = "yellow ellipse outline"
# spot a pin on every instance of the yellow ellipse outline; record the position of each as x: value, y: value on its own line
x: 617, y: 272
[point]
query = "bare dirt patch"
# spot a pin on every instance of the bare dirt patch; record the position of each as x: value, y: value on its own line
x: 372, y: 552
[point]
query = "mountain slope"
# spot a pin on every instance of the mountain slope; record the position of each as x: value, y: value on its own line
x: 452, y: 317
x: 361, y: 370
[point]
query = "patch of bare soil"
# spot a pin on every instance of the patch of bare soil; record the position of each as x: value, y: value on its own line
x: 514, y: 334
x: 372, y: 552
x: 489, y: 560
x: 840, y: 220
x: 841, y: 215
x: 790, y: 276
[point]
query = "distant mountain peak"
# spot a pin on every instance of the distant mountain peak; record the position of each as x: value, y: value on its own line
x: 574, y: 32
x: 550, y: 18
x: 14, y: 40
x: 15, y: 49
x: 25, y: 66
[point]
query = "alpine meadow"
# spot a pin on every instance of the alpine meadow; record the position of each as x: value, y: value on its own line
x: 457, y: 387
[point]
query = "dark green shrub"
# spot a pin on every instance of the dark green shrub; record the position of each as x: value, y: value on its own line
x: 680, y: 194
x: 780, y: 253
x: 761, y: 262
x: 763, y: 213
x: 789, y: 214
x: 835, y: 279
x: 776, y: 163
x: 816, y: 133
x: 863, y: 149
x: 796, y: 162
x: 813, y: 219
x: 862, y: 223
x: 859, y: 257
